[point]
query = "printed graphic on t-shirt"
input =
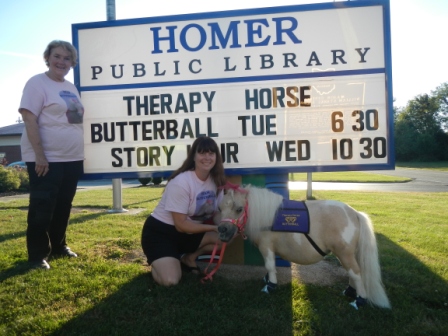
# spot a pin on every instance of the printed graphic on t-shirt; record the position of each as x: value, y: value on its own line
x: 75, y: 110
x: 205, y: 206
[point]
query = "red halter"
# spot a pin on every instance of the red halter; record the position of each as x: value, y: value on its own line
x: 240, y: 223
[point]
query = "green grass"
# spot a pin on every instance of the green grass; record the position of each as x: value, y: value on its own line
x: 108, y: 290
x: 365, y: 177
x: 354, y: 176
x: 439, y: 165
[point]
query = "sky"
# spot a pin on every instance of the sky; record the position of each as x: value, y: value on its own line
x: 418, y: 28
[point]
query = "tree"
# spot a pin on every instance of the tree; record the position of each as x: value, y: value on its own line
x: 441, y: 95
x: 420, y: 128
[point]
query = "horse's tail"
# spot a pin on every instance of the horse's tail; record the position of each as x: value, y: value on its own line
x: 368, y: 260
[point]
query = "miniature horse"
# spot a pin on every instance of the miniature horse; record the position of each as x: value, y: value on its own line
x: 333, y: 227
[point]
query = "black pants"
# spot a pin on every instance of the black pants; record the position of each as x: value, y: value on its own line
x: 163, y: 240
x: 51, y: 199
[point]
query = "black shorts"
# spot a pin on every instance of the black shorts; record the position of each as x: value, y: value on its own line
x: 163, y: 240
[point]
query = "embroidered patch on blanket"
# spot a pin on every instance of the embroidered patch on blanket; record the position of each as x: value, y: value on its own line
x: 292, y: 216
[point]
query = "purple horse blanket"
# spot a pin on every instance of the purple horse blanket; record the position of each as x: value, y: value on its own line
x: 292, y: 216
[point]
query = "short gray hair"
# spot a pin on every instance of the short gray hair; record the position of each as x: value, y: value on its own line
x: 64, y: 44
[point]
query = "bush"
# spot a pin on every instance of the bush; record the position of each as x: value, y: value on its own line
x: 157, y: 180
x: 24, y: 178
x: 144, y: 180
x: 9, y: 179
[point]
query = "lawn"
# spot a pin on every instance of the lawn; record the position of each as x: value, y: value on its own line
x: 108, y: 290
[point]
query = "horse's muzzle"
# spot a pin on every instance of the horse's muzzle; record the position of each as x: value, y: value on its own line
x: 226, y: 231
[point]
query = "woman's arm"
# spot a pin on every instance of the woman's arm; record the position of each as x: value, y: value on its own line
x: 32, y: 130
x: 184, y: 225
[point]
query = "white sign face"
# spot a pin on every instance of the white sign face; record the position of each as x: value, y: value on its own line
x: 281, y: 89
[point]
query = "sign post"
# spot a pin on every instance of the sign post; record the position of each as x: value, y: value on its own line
x: 117, y: 199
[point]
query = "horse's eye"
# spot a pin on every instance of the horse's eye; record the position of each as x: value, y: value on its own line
x: 238, y: 210
x: 219, y: 209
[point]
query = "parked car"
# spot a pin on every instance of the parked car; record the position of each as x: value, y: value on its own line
x: 21, y: 164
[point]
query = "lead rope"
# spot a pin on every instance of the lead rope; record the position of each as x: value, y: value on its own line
x: 209, y: 276
x: 240, y: 225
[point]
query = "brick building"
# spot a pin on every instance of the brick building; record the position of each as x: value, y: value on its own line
x: 10, y: 142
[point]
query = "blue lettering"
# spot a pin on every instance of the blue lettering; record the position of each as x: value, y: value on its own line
x: 288, y: 31
x: 217, y: 37
x: 183, y: 37
x: 170, y: 38
x: 223, y: 40
x: 251, y: 31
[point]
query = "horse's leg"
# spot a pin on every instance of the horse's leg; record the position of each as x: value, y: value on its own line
x: 356, y: 288
x: 350, y: 291
x: 270, y: 278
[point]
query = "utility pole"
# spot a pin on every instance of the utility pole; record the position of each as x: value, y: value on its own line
x: 116, y: 183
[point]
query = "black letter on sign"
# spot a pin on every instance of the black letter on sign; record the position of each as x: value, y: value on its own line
x: 96, y: 70
x: 119, y: 162
x: 303, y: 153
x: 121, y: 71
x: 95, y: 131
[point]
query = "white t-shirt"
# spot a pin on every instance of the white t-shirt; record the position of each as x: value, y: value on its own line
x: 60, y: 115
x: 187, y: 194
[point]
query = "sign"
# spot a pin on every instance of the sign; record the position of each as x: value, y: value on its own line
x: 280, y: 89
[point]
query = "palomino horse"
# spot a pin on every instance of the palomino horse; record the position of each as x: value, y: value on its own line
x: 333, y: 227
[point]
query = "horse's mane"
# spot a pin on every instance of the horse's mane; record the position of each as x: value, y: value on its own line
x: 263, y: 205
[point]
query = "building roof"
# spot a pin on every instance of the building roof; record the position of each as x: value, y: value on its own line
x: 15, y: 129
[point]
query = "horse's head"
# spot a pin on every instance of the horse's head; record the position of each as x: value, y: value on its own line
x: 232, y: 214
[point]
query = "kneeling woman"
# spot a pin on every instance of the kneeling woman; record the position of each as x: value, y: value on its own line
x: 175, y: 234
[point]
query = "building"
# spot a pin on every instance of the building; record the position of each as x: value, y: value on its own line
x: 10, y: 142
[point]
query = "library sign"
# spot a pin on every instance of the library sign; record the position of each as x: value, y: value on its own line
x: 280, y: 89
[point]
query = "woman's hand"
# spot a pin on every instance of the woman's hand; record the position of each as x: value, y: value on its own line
x: 42, y: 166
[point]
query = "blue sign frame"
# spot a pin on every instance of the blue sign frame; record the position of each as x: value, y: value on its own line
x: 387, y: 71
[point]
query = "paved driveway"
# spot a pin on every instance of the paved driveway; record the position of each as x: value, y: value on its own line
x: 422, y: 181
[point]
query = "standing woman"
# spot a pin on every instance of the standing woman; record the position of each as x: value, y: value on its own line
x: 53, y: 148
x: 175, y: 235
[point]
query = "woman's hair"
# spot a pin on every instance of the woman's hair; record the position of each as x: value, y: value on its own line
x: 204, y: 145
x: 66, y: 45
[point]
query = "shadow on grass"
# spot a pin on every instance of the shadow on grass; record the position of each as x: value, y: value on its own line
x: 232, y: 306
x: 419, y: 299
x: 223, y: 307
x: 92, y: 214
x: 81, y: 218
x: 14, y: 235
x: 144, y: 201
x: 19, y: 268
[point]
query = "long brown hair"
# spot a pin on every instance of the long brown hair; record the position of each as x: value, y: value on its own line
x: 204, y: 144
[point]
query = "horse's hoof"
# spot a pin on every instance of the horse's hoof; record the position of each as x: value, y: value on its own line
x: 353, y: 304
x: 265, y: 289
x: 350, y: 292
x: 266, y: 278
x: 269, y: 287
x: 359, y: 302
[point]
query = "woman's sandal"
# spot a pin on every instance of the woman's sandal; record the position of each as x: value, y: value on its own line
x: 190, y: 269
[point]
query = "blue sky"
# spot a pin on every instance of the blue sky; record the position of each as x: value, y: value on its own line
x: 419, y: 58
